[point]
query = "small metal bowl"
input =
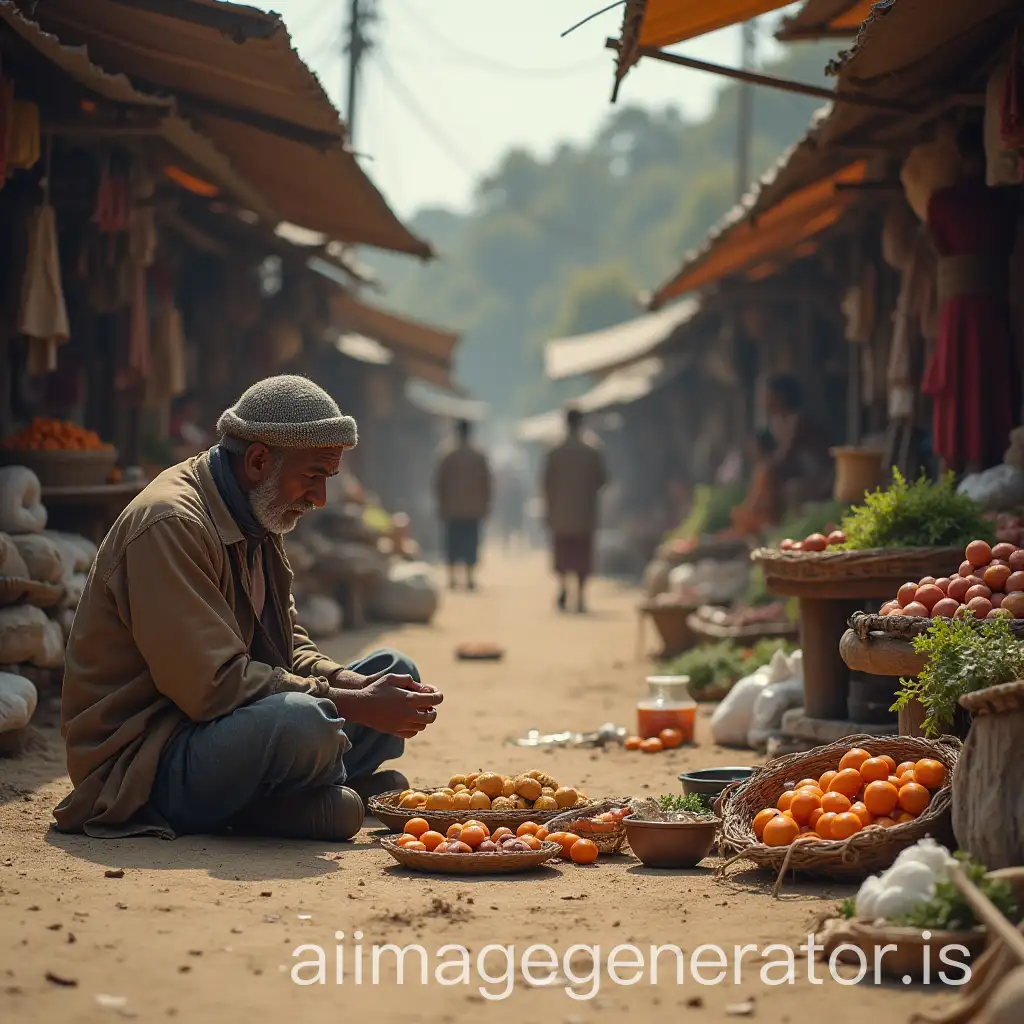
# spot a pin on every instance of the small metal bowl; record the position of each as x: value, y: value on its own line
x: 711, y: 782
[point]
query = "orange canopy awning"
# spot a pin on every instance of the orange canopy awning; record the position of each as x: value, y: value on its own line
x: 671, y: 21
x: 779, y: 230
x: 822, y: 19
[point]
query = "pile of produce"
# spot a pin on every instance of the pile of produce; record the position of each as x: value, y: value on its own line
x: 667, y: 739
x: 960, y: 658
x: 744, y: 615
x: 55, y: 435
x: 862, y: 791
x: 918, y: 515
x: 489, y: 791
x: 599, y: 824
x: 814, y: 542
x: 474, y: 837
x: 990, y: 584
x: 917, y: 892
x: 687, y: 810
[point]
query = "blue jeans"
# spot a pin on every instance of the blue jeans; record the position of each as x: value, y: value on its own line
x: 211, y: 771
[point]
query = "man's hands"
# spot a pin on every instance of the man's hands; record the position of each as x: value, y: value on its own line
x: 389, y: 703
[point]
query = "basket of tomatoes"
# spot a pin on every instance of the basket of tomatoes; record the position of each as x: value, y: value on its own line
x: 601, y: 823
x: 842, y: 810
x: 61, y: 454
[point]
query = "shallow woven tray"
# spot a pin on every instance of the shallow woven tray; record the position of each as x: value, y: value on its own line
x: 19, y: 591
x: 64, y: 468
x: 386, y: 810
x: 872, y: 849
x: 831, y: 566
x: 754, y: 631
x: 479, y: 652
x: 606, y: 842
x: 470, y: 863
x: 906, y: 627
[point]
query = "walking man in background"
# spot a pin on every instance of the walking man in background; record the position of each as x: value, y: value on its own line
x: 463, y: 486
x: 574, y: 474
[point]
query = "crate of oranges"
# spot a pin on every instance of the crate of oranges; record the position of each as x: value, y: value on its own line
x: 843, y: 810
x: 60, y: 453
x: 470, y: 847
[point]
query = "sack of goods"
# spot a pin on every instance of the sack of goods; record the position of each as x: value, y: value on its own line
x: 408, y: 594
x: 17, y: 702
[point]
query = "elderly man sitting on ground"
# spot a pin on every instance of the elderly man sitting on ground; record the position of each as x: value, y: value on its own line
x: 193, y: 701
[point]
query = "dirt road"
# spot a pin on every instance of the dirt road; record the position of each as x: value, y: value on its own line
x: 204, y: 929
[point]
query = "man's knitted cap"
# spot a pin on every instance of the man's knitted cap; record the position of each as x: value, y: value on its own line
x: 288, y: 412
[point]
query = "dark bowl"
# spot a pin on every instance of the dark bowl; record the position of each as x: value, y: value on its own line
x: 711, y: 782
x: 671, y: 844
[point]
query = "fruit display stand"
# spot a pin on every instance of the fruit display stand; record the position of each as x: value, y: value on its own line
x: 831, y: 587
x: 704, y: 625
x: 671, y: 619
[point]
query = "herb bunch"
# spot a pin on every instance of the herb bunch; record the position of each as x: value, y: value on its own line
x: 918, y: 515
x: 692, y: 803
x: 960, y: 658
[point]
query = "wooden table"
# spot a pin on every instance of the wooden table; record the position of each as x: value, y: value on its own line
x: 90, y: 511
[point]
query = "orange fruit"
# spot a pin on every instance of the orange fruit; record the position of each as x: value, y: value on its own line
x: 502, y: 833
x: 528, y: 828
x: 415, y: 844
x: 670, y: 738
x: 454, y: 830
x: 836, y: 803
x: 761, y: 819
x: 914, y: 798
x: 531, y: 840
x: 652, y: 745
x: 930, y: 774
x: 785, y: 800
x: 906, y: 778
x: 874, y: 769
x: 632, y: 742
x: 472, y: 836
x: 881, y: 798
x: 417, y: 826
x: 866, y: 817
x: 583, y: 852
x: 907, y: 766
x: 823, y: 826
x: 780, y: 831
x: 891, y: 762
x: 825, y: 780
x: 894, y: 780
x: 854, y: 758
x: 812, y: 821
x: 479, y: 824
x: 903, y: 817
x: 567, y: 841
x: 808, y: 784
x: 402, y: 840
x: 846, y: 825
x: 805, y: 801
x: 847, y: 782
x: 542, y: 833
x: 885, y: 822
x: 431, y: 840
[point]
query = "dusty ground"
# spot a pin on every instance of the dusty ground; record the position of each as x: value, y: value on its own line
x: 203, y: 929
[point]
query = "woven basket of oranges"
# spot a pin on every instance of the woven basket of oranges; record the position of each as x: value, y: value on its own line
x: 61, y: 454
x: 842, y: 810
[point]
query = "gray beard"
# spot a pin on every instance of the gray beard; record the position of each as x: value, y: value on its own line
x: 270, y: 511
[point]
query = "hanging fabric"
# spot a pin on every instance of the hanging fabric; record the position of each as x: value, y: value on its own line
x: 1012, y: 114
x: 1003, y: 164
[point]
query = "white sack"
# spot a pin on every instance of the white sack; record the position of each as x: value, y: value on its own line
x: 51, y: 651
x: 22, y: 634
x: 17, y: 701
x: 321, y: 616
x: 11, y: 562
x: 46, y: 559
x: 21, y: 507
x: 731, y: 720
x: 408, y: 594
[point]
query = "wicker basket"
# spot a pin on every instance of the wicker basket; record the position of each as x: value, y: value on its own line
x: 783, y: 630
x: 64, y: 468
x: 872, y: 849
x: 386, y: 810
x: 606, y: 842
x: 906, y: 627
x: 835, y: 566
x: 470, y: 863
x: 672, y: 623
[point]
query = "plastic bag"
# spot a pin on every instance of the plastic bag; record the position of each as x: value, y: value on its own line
x: 45, y: 559
x: 731, y: 720
x: 17, y: 701
x: 408, y: 594
x: 998, y: 488
x: 21, y: 507
x: 321, y: 616
x: 772, y: 703
x: 22, y: 634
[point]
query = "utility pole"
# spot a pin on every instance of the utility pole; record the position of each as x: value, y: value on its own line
x: 361, y: 15
x: 745, y: 113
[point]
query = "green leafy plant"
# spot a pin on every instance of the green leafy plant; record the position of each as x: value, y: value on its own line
x: 848, y: 909
x: 692, y: 803
x: 918, y: 515
x: 721, y: 664
x: 949, y: 911
x: 960, y: 658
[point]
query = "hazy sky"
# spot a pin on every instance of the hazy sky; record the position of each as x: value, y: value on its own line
x: 454, y: 83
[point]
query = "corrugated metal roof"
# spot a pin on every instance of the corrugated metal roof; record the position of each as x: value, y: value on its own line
x: 614, y: 346
x: 235, y: 72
